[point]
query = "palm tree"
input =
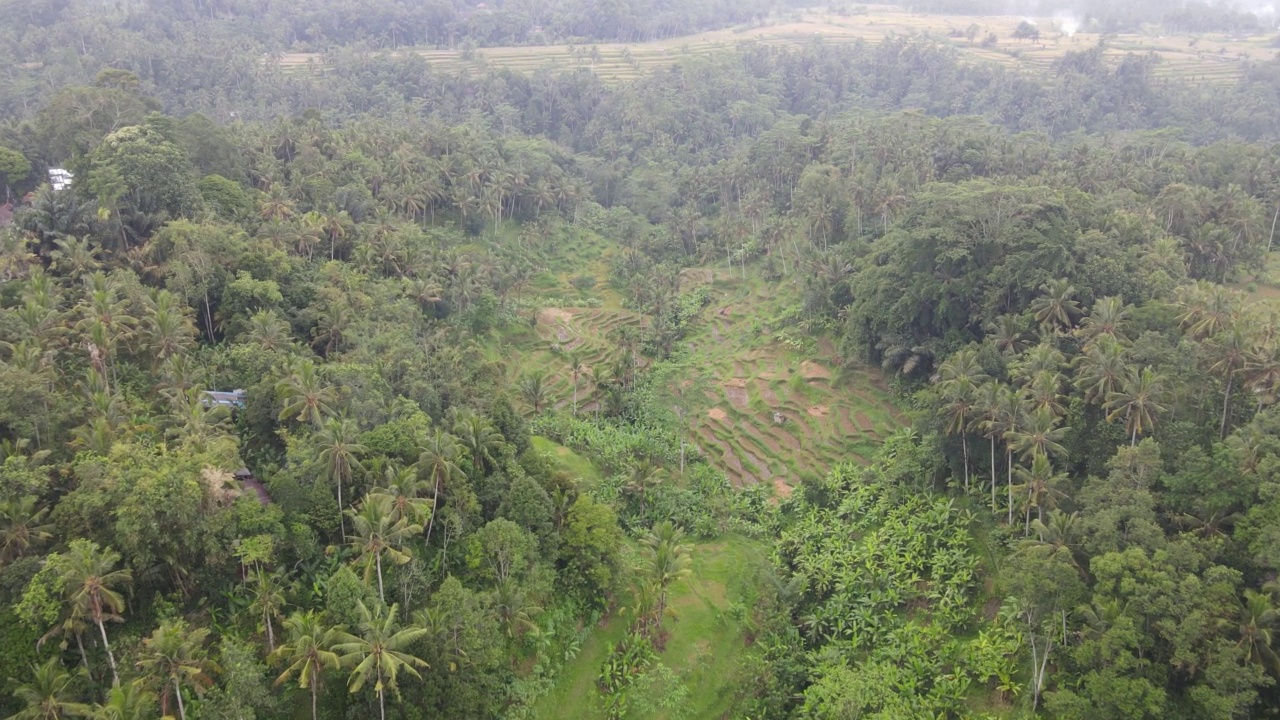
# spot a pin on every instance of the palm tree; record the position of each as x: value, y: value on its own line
x: 1042, y: 392
x: 1136, y: 399
x: 1041, y: 484
x: 306, y: 397
x: 644, y: 476
x: 1056, y: 309
x: 988, y: 421
x: 267, y: 330
x: 1207, y: 309
x: 1233, y: 349
x: 1038, y: 435
x: 669, y: 560
x: 379, y: 652
x: 175, y: 656
x: 48, y: 696
x: 1007, y: 333
x: 127, y: 702
x: 376, y: 532
x: 961, y: 369
x: 575, y: 369
x: 1061, y: 534
x: 533, y: 390
x: 439, y: 459
x: 331, y: 326
x: 1259, y: 619
x: 308, y: 650
x: 339, y: 454
x: 1105, y: 319
x: 1100, y: 370
x: 482, y: 441
x: 268, y: 600
x: 404, y: 491
x: 91, y: 578
x: 515, y: 612
x: 23, y: 526
x: 960, y: 405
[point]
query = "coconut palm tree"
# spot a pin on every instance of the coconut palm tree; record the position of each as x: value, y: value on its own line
x: 308, y: 652
x: 379, y: 653
x: 23, y: 526
x: 988, y: 420
x: 482, y: 441
x: 375, y: 532
x: 49, y: 694
x: 438, y: 458
x: 1041, y: 484
x: 267, y: 330
x: 91, y: 578
x: 1258, y: 622
x: 267, y: 600
x: 132, y: 701
x: 533, y: 389
x: 1056, y: 310
x: 175, y: 656
x: 1038, y: 434
x: 669, y: 560
x: 1100, y: 370
x: 958, y: 410
x: 1105, y: 319
x: 575, y: 369
x: 1008, y: 334
x: 1233, y: 349
x: 404, y: 489
x: 306, y: 397
x: 339, y: 454
x: 1137, y: 401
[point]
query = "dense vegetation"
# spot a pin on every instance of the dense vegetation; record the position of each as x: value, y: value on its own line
x: 1082, y: 521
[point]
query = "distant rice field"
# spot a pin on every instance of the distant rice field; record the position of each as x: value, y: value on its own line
x: 1207, y: 58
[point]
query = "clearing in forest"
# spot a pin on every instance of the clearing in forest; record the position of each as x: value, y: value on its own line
x: 779, y: 405
x: 704, y: 646
x: 772, y: 404
x: 1206, y: 57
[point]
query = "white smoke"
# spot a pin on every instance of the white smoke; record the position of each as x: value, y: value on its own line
x: 1069, y: 24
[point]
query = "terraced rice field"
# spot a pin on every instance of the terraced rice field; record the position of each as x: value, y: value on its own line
x: 1201, y: 58
x: 775, y: 406
x: 778, y: 407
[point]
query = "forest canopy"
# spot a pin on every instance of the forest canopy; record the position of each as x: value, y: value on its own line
x: 811, y: 380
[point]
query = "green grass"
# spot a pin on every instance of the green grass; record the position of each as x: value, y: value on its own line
x: 569, y: 462
x: 704, y: 646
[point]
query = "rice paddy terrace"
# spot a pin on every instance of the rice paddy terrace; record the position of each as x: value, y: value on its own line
x: 772, y: 404
x: 779, y: 405
x: 1200, y: 58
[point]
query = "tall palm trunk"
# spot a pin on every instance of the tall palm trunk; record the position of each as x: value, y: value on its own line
x: 964, y: 443
x: 111, y: 658
x: 1008, y: 454
x: 271, y: 635
x: 342, y: 523
x: 435, y: 501
x: 378, y: 560
x: 382, y: 696
x: 315, y: 692
x: 993, y: 473
x: 84, y: 659
x: 1226, y: 404
x: 177, y: 690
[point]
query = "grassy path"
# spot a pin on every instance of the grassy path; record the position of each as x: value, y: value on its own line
x: 704, y: 648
